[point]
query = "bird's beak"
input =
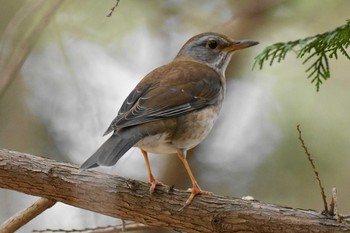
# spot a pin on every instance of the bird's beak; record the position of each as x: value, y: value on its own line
x: 241, y: 44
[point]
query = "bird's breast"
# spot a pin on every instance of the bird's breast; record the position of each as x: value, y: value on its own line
x: 190, y: 130
x: 195, y: 126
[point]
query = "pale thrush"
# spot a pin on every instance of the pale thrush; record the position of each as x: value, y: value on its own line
x: 174, y: 107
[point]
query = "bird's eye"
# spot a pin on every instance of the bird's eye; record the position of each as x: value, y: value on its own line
x: 212, y: 44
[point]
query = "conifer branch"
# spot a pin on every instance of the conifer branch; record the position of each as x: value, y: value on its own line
x: 317, y: 49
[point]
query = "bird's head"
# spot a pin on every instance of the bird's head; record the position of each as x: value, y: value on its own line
x: 212, y: 49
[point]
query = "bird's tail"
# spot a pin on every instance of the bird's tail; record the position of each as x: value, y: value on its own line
x: 110, y: 152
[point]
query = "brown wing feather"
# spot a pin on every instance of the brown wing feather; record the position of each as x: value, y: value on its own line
x: 169, y: 91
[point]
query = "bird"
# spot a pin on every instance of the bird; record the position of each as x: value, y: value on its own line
x: 174, y: 107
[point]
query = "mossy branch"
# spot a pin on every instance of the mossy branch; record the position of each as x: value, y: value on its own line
x: 317, y: 49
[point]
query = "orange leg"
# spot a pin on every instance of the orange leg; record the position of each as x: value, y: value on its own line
x: 195, y: 190
x: 151, y: 178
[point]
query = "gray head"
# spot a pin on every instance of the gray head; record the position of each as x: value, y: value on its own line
x: 212, y: 49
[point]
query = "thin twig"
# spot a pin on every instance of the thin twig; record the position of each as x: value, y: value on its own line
x: 133, y: 228
x: 24, y: 216
x: 315, y: 171
x: 335, y: 200
x: 123, y: 225
x: 113, y: 8
x: 332, y: 206
x: 126, y: 227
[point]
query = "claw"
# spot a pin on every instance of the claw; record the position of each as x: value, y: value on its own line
x: 154, y: 183
x: 196, y: 190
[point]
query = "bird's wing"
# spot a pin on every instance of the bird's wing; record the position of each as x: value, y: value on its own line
x: 174, y: 89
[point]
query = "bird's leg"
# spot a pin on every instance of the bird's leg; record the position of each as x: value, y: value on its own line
x: 151, y: 178
x: 195, y: 190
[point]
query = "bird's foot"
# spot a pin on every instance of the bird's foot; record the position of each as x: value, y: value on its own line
x: 153, y: 182
x: 196, y: 190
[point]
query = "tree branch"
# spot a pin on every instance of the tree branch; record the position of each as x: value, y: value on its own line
x: 129, y: 199
x: 24, y: 216
x: 13, y: 55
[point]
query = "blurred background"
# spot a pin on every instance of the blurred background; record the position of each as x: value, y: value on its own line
x: 65, y: 69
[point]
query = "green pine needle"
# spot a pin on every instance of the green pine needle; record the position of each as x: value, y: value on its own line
x: 317, y: 49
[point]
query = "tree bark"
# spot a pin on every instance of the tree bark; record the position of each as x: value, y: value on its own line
x: 130, y: 200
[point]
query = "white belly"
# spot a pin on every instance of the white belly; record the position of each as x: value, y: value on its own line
x: 158, y: 144
x: 192, y: 130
